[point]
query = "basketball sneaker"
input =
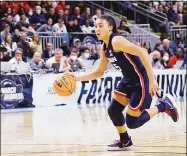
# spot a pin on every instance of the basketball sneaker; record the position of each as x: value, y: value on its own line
x: 120, y: 146
x: 170, y: 108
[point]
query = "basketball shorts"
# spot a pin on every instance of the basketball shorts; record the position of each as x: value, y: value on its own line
x: 137, y: 93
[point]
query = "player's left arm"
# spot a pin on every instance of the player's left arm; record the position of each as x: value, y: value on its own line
x: 120, y: 43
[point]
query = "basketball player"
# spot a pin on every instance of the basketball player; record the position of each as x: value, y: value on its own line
x: 137, y: 87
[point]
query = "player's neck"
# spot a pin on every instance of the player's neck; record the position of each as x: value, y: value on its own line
x: 106, y: 40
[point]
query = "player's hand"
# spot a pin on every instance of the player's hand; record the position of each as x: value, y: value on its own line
x: 153, y: 88
x: 73, y: 75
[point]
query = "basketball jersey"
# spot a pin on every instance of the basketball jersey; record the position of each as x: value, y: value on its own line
x: 130, y: 65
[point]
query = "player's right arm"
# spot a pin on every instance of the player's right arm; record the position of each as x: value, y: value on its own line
x: 98, y: 72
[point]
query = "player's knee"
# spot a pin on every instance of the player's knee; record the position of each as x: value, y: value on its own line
x: 115, y: 113
x: 131, y: 121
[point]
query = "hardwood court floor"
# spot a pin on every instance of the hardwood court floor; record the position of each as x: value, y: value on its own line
x: 70, y: 131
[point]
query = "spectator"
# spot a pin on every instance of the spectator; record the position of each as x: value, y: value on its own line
x: 60, y: 6
x: 179, y: 56
x: 75, y: 63
x: 38, y: 18
x: 23, y: 26
x: 60, y: 14
x: 84, y: 58
x: 76, y: 26
x: 180, y: 20
x: 9, y: 22
x: 147, y: 46
x: 30, y: 14
x: 87, y: 28
x: 47, y: 28
x: 17, y: 60
x: 165, y: 61
x: 88, y: 13
x: 66, y: 16
x: 10, y: 46
x: 60, y: 26
x: 185, y: 17
x: 24, y: 45
x: 48, y: 52
x: 159, y: 48
x: 36, y: 42
x: 166, y: 47
x: 95, y: 55
x: 123, y: 27
x: 97, y: 15
x: 156, y: 60
x: 4, y: 54
x: 58, y: 61
x: 51, y: 14
x: 70, y: 27
x: 37, y: 62
x: 173, y: 14
x: 16, y: 36
x: 77, y: 15
x: 77, y: 43
x: 5, y: 32
x: 64, y: 47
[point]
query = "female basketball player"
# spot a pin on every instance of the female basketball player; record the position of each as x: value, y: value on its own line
x: 135, y: 89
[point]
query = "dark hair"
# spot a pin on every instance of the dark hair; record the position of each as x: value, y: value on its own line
x: 123, y: 20
x: 6, y: 40
x: 110, y: 21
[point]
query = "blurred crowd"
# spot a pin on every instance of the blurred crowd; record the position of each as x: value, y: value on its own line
x: 174, y: 11
x: 21, y: 22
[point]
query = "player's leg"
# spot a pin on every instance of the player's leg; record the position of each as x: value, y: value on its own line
x: 139, y: 114
x: 118, y: 104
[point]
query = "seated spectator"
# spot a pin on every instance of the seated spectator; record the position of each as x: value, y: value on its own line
x: 9, y: 21
x: 165, y: 61
x: 30, y: 15
x: 156, y: 60
x: 147, y: 46
x: 11, y: 46
x: 88, y: 13
x: 5, y: 32
x: 24, y: 45
x: 60, y: 6
x: 173, y: 14
x: 76, y: 26
x: 179, y: 56
x: 23, y: 26
x: 70, y: 27
x: 159, y: 47
x: 77, y: 43
x: 97, y: 15
x: 47, y: 28
x: 38, y: 18
x: 84, y: 58
x: 36, y: 42
x: 87, y: 28
x: 48, y: 52
x: 4, y: 54
x: 75, y: 63
x: 37, y: 62
x: 60, y: 14
x: 166, y: 47
x: 51, y: 14
x: 77, y: 15
x: 17, y: 60
x: 123, y: 27
x: 60, y: 26
x: 16, y: 36
x: 58, y: 61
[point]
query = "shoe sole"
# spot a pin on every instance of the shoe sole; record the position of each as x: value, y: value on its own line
x: 171, y: 98
x: 120, y: 149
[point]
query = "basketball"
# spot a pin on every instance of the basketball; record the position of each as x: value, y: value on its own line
x: 64, y: 85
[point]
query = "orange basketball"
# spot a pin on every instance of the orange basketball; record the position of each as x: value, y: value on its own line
x: 64, y: 85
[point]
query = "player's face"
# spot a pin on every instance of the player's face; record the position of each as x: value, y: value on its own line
x: 102, y: 29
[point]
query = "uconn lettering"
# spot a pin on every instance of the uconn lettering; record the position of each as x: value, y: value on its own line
x: 112, y: 59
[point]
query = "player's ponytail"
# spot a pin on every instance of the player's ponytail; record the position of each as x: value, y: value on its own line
x: 110, y: 21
